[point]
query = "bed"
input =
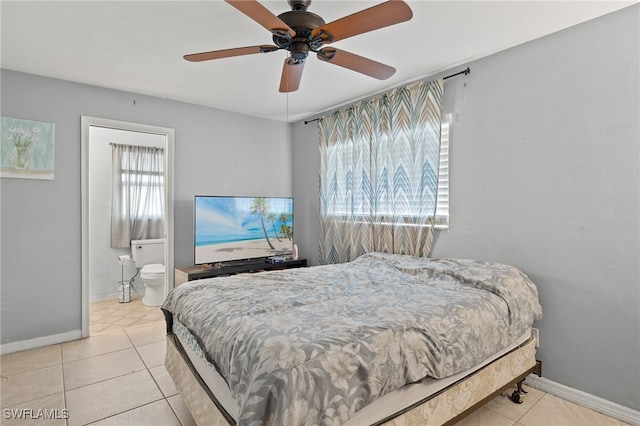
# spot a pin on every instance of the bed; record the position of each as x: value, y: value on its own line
x: 385, y: 339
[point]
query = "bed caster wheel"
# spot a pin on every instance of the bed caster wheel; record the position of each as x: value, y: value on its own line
x: 517, y: 397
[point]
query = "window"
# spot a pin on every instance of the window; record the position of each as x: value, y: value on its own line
x: 138, y: 172
x: 442, y: 198
x: 379, y: 170
x: 361, y: 206
x: 137, y: 206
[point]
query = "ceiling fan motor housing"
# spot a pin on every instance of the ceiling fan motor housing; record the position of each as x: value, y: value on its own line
x: 303, y: 23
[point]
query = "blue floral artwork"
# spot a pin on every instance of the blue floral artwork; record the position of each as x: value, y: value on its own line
x: 27, y: 149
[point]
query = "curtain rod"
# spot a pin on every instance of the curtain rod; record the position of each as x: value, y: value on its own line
x: 466, y: 71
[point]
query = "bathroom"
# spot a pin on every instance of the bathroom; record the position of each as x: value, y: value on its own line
x: 109, y: 266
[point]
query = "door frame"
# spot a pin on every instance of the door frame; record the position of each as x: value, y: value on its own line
x: 86, y: 123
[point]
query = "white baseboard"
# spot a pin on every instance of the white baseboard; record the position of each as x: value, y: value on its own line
x: 601, y: 405
x: 113, y: 296
x: 102, y: 298
x: 38, y: 342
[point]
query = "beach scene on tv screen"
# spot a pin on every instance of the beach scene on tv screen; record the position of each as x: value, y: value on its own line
x: 233, y: 228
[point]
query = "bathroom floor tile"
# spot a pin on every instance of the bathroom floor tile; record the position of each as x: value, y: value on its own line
x: 101, y: 367
x: 104, y: 311
x: 98, y: 328
x: 110, y: 329
x: 111, y: 318
x: 157, y: 413
x: 105, y: 399
x: 125, y: 321
x: 111, y: 315
x: 154, y: 315
x: 135, y: 314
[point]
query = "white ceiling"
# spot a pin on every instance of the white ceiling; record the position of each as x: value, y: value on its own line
x: 138, y: 47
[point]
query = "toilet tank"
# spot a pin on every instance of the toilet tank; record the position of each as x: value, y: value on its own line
x: 145, y: 252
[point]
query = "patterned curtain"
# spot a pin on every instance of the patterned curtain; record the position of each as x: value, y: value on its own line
x: 379, y: 174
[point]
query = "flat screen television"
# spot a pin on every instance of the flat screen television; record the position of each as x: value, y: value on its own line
x: 239, y: 228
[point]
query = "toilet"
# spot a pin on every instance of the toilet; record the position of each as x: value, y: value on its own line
x: 148, y: 255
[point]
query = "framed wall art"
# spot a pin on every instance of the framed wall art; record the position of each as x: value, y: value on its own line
x: 27, y: 149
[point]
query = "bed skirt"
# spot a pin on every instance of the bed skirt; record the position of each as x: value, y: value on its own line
x: 446, y: 406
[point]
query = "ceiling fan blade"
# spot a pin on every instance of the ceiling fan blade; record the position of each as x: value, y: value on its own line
x: 379, y: 16
x: 291, y: 75
x: 227, y: 53
x: 262, y: 16
x: 356, y: 63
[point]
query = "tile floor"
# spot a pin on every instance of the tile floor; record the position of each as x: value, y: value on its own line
x: 117, y: 377
x: 109, y: 315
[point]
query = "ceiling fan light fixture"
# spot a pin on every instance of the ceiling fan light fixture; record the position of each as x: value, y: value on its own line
x: 299, y: 50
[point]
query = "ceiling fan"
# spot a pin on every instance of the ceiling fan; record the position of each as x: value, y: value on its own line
x: 300, y: 32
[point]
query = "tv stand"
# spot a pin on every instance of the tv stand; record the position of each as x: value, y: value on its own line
x: 198, y: 272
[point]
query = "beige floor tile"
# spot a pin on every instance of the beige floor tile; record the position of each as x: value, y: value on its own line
x: 157, y: 413
x: 20, y: 362
x: 163, y: 380
x: 150, y: 333
x: 551, y: 410
x: 125, y: 321
x: 110, y: 329
x: 135, y: 314
x: 101, y: 367
x: 95, y: 345
x: 152, y: 354
x: 181, y: 410
x: 485, y: 417
x: 503, y: 404
x: 98, y: 328
x: 134, y: 307
x: 149, y: 308
x: 103, y: 311
x: 154, y: 316
x: 31, y: 385
x: 144, y: 322
x: 111, y: 318
x: 94, y: 317
x: 110, y: 397
x: 48, y: 411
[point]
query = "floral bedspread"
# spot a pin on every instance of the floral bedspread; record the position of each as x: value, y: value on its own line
x: 314, y: 345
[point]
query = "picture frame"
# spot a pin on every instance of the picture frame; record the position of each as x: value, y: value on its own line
x: 27, y: 149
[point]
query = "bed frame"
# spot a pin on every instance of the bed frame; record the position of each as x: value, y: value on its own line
x: 445, y: 407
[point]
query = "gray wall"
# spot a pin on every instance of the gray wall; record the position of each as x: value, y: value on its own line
x: 544, y: 174
x: 216, y: 152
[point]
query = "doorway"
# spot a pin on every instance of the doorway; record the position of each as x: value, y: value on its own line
x: 99, y: 262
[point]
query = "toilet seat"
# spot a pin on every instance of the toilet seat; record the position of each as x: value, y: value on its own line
x: 153, y: 268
